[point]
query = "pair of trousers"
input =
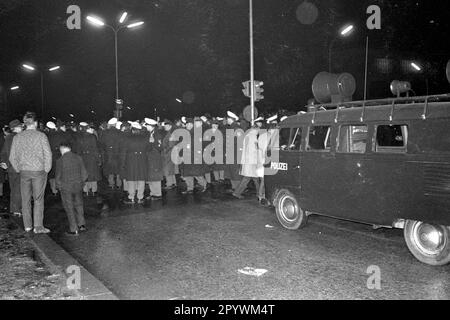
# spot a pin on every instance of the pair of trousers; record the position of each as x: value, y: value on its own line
x: 73, y: 205
x: 136, y: 187
x: 113, y: 181
x: 259, y: 183
x: 53, y: 186
x: 171, y: 181
x: 32, y: 185
x: 1, y: 189
x: 15, y: 198
x: 234, y: 184
x: 219, y: 175
x: 208, y: 177
x: 190, y: 182
x: 90, y: 186
x: 155, y: 188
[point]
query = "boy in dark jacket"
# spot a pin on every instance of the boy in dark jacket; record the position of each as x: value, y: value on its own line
x: 71, y: 175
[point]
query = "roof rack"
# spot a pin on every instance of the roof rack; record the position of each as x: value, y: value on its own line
x: 381, y: 102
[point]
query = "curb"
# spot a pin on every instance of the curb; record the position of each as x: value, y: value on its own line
x: 59, y: 260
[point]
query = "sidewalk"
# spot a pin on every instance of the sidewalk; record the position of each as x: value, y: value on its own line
x: 23, y: 275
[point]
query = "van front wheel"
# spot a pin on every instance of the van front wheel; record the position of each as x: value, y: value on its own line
x: 430, y: 244
x: 289, y: 213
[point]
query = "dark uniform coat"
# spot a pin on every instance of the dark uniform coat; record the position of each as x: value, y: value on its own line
x: 232, y: 170
x: 154, y: 156
x: 123, y: 140
x: 167, y: 147
x: 219, y: 165
x: 2, y: 172
x: 87, y: 147
x: 134, y: 158
x: 195, y: 170
x: 110, y: 146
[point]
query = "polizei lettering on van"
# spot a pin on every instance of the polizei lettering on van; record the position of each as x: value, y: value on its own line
x: 279, y: 166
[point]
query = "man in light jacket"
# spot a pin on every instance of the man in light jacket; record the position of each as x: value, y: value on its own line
x: 31, y: 156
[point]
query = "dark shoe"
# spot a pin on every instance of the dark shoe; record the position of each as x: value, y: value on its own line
x: 82, y: 229
x: 72, y: 234
x: 264, y: 202
x: 188, y: 192
x: 128, y: 201
x: 155, y: 198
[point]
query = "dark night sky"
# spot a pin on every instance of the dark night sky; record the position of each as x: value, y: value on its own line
x: 201, y: 46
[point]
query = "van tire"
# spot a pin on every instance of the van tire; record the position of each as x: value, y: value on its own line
x: 434, y: 253
x: 289, y: 213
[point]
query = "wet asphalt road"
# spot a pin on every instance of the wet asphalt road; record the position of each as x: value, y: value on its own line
x: 191, y: 247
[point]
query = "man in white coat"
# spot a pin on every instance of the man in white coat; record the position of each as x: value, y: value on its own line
x: 253, y: 159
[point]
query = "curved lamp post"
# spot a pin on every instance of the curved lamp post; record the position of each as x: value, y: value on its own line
x: 41, y: 70
x: 100, y: 23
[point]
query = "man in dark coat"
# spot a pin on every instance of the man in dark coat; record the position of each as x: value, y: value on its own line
x: 15, y: 201
x: 70, y: 177
x: 197, y: 168
x: 54, y: 141
x: 134, y: 164
x: 219, y: 166
x: 110, y: 146
x: 87, y: 146
x: 154, y: 160
x: 232, y: 161
x: 3, y: 136
x: 168, y: 164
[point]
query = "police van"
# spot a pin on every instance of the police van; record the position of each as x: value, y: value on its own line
x: 385, y: 163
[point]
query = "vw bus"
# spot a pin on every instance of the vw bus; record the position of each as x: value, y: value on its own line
x: 385, y: 163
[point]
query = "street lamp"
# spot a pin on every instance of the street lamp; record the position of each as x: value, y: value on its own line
x: 416, y: 66
x: 179, y: 100
x: 15, y: 88
x: 100, y: 23
x: 31, y: 68
x: 345, y: 31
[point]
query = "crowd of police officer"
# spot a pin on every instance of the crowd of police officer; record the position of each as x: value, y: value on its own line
x: 133, y: 154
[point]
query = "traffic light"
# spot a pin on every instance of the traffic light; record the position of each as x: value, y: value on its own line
x: 259, y: 90
x: 246, y: 90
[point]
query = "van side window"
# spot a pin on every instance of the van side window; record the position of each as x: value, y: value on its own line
x: 319, y: 138
x: 285, y: 135
x: 391, y: 138
x: 352, y: 139
x: 296, y: 140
